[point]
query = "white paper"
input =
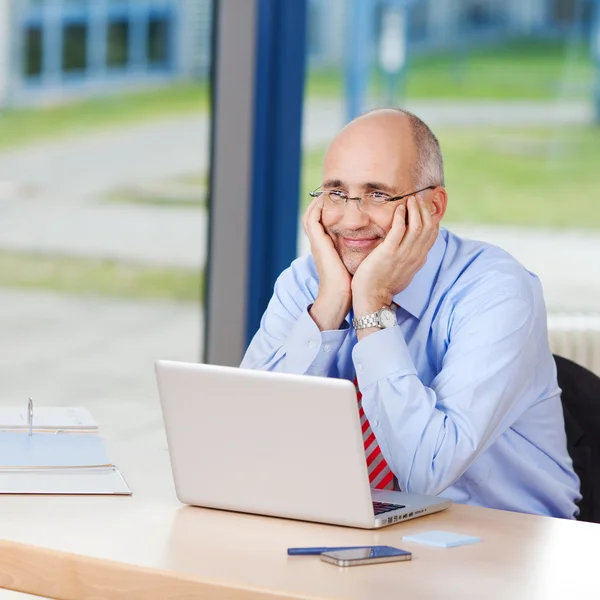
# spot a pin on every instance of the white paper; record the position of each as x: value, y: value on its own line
x: 47, y: 418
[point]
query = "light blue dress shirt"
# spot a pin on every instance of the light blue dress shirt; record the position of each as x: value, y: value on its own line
x: 462, y: 396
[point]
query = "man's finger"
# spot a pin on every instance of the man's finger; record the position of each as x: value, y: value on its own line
x: 314, y: 228
x: 415, y: 225
x: 398, y: 229
x: 428, y: 224
x: 425, y: 214
x: 306, y: 216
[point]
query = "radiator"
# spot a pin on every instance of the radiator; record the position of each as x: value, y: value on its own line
x: 576, y: 337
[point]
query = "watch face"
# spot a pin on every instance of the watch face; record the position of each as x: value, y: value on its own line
x: 387, y: 317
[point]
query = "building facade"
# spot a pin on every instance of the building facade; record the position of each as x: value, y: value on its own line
x: 53, y: 50
x: 56, y: 50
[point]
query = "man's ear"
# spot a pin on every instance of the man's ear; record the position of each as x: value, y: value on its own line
x: 438, y: 204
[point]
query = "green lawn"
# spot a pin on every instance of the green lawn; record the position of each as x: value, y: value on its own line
x: 531, y: 70
x: 548, y: 177
x: 83, y: 276
x: 24, y: 125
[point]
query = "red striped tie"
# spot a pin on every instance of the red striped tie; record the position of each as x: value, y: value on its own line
x: 380, y: 475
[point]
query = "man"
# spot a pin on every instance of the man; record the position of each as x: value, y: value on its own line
x: 445, y: 337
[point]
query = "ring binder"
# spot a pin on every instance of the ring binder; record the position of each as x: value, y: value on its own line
x: 72, y: 461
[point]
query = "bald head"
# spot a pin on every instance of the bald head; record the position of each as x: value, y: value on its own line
x: 391, y: 134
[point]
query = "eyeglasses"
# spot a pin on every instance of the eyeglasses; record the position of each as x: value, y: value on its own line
x: 337, y: 200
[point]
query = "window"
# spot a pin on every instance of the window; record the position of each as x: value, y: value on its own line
x: 74, y: 56
x: 34, y: 40
x: 158, y: 40
x: 117, y: 44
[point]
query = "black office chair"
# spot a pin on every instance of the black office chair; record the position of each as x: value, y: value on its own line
x: 581, y: 408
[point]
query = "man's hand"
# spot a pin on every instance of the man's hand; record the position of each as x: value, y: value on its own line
x: 335, y: 295
x: 392, y: 265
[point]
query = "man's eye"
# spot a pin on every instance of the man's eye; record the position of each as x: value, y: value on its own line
x: 337, y: 194
x: 378, y: 196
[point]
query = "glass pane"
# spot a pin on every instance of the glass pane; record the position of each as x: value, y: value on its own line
x: 158, y: 40
x: 118, y: 44
x: 103, y: 186
x: 34, y: 40
x: 75, y: 48
x: 509, y: 88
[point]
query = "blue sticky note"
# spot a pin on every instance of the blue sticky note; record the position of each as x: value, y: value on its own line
x: 442, y: 539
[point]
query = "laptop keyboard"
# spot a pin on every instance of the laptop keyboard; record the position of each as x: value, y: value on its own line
x: 383, y: 507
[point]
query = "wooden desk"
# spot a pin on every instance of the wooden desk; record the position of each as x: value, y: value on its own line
x: 149, y: 546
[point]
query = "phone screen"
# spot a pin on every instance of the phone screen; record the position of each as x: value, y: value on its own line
x: 367, y: 552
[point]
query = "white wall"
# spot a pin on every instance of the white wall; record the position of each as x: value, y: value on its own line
x: 5, y: 20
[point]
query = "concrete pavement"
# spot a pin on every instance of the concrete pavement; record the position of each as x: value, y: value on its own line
x: 151, y: 235
x: 77, y: 170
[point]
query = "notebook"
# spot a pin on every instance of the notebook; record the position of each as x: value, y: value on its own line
x: 57, y: 463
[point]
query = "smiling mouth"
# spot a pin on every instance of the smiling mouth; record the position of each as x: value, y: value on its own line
x: 359, y: 243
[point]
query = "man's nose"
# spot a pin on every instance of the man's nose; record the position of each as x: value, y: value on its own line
x: 354, y: 217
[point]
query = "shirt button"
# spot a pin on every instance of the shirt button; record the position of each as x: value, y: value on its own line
x: 312, y: 344
x: 359, y: 368
x: 326, y: 348
x: 375, y: 423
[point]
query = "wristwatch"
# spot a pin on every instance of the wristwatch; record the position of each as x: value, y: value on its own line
x: 382, y: 319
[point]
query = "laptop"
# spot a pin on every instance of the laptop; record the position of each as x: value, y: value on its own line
x: 274, y: 444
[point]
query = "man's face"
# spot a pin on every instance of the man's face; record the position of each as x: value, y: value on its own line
x: 372, y: 154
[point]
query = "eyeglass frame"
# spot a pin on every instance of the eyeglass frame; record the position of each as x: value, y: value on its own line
x: 316, y: 194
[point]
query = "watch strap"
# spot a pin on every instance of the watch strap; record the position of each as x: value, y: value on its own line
x: 367, y: 321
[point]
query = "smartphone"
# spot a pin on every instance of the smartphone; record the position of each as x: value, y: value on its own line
x: 365, y: 556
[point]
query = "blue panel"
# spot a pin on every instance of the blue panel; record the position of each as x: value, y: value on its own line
x: 97, y: 43
x: 138, y: 38
x: 279, y: 81
x: 359, y: 49
x: 53, y: 40
x: 596, y: 56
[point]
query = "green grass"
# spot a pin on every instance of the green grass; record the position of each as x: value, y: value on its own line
x: 25, y: 125
x: 93, y: 277
x: 187, y: 191
x: 542, y: 177
x: 522, y: 69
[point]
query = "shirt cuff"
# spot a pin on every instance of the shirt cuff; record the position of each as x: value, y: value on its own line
x: 380, y: 355
x: 313, y: 350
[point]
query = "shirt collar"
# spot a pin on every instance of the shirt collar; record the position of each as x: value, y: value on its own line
x: 415, y: 297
